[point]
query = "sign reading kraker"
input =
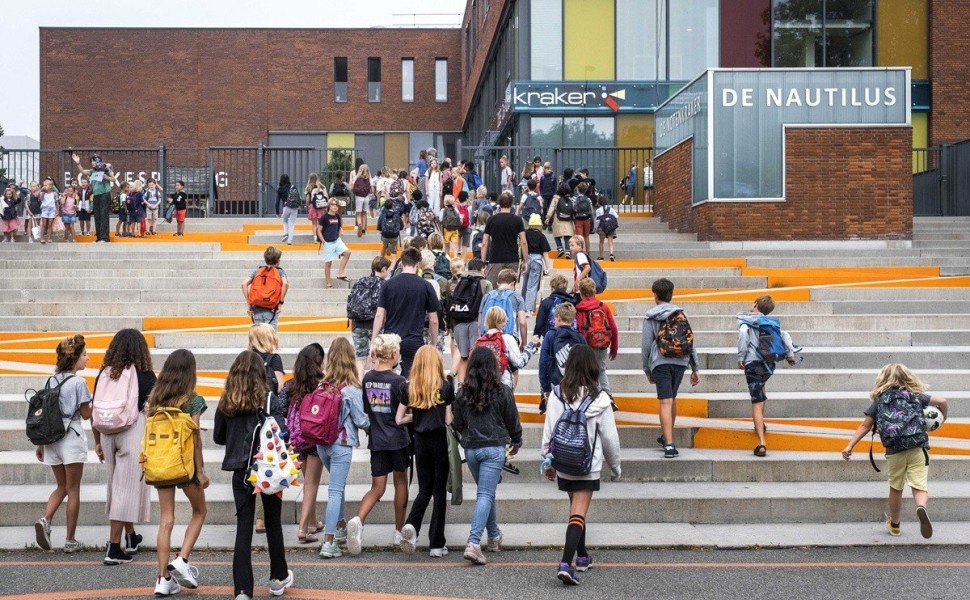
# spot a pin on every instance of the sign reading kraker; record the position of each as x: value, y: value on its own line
x: 588, y: 97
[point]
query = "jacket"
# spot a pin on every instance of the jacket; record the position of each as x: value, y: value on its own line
x: 518, y: 359
x: 236, y: 434
x: 748, y: 339
x: 589, y: 304
x: 352, y: 416
x: 454, y: 483
x: 498, y: 425
x: 547, y: 186
x: 543, y: 318
x: 600, y: 425
x: 282, y: 193
x: 553, y: 353
x: 648, y: 344
x: 559, y: 228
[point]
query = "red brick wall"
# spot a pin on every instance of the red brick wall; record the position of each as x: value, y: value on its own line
x: 192, y: 88
x: 841, y: 183
x: 949, y: 70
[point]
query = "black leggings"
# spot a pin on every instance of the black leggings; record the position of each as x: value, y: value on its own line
x: 242, y: 554
x: 431, y: 462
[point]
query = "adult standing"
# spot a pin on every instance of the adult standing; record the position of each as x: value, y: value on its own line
x: 504, y: 240
x: 422, y: 166
x: 406, y: 300
x: 433, y: 184
x: 100, y: 177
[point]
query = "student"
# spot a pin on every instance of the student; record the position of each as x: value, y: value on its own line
x: 153, y: 200
x: 362, y: 189
x: 315, y: 196
x: 442, y: 289
x: 66, y: 457
x: 504, y: 240
x: 237, y: 417
x: 547, y: 187
x: 666, y: 371
x: 48, y: 210
x: 180, y: 201
x: 464, y: 333
x: 560, y: 216
x: 341, y: 372
x: 31, y: 210
x: 530, y: 203
x: 605, y: 225
x: 899, y: 389
x: 487, y: 420
x: 388, y: 442
x: 334, y: 247
x: 362, y: 308
x: 271, y: 258
x: 513, y: 305
x: 8, y: 211
x: 85, y: 207
x: 577, y: 385
x: 464, y: 208
x: 583, y: 212
x: 757, y: 371
x: 390, y: 225
x: 555, y: 349
x: 478, y: 234
x: 136, y: 208
x: 433, y: 185
x: 546, y: 316
x: 264, y: 341
x: 176, y: 388
x: 451, y: 226
x: 595, y: 322
x: 68, y: 211
x: 425, y: 221
x: 429, y: 398
x: 307, y: 375
x: 506, y: 175
x: 121, y: 202
x: 538, y: 265
x: 128, y: 498
x: 504, y: 346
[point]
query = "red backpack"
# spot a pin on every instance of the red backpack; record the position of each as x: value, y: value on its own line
x: 266, y: 288
x: 596, y: 328
x: 320, y: 414
x: 465, y: 217
x: 496, y: 343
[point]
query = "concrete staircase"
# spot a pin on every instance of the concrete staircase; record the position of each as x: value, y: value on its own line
x: 854, y: 306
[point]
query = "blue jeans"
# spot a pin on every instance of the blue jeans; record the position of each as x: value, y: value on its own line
x: 289, y: 222
x: 336, y: 458
x: 532, y: 280
x: 268, y: 316
x: 486, y: 467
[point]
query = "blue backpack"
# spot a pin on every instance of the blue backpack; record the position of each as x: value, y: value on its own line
x: 531, y: 206
x: 770, y: 346
x: 503, y: 300
x: 597, y: 274
x: 572, y: 454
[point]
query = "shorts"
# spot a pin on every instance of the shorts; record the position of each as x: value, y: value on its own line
x: 583, y: 227
x: 757, y: 374
x: 383, y: 462
x: 578, y: 485
x: 908, y: 466
x: 308, y: 451
x: 361, y: 203
x: 69, y: 219
x: 133, y: 218
x: 361, y: 338
x: 334, y: 250
x: 48, y: 212
x: 465, y: 235
x: 181, y: 486
x: 452, y: 236
x: 180, y: 216
x: 151, y: 214
x: 668, y: 378
x: 84, y: 215
x: 71, y: 449
x: 389, y: 245
x: 313, y: 213
x: 464, y: 336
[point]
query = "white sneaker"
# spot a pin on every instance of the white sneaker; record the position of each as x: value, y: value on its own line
x: 42, y: 531
x: 277, y: 587
x: 494, y: 545
x: 409, y: 539
x: 355, y: 535
x: 167, y: 587
x: 396, y: 538
x: 72, y: 546
x: 187, y: 573
x: 438, y: 552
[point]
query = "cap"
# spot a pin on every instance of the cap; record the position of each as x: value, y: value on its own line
x: 535, y: 220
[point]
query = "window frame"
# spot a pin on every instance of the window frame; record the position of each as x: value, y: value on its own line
x: 337, y: 81
x: 438, y: 97
x: 371, y: 96
x: 404, y: 62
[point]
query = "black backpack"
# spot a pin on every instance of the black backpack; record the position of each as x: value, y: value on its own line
x: 45, y: 421
x: 608, y: 222
x: 477, y: 244
x: 450, y: 219
x: 390, y: 224
x: 293, y: 198
x: 466, y: 300
x: 582, y: 208
x: 442, y: 264
x: 564, y: 209
x: 531, y: 206
x: 363, y: 299
x: 340, y: 190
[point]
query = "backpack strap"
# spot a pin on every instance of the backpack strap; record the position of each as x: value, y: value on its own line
x: 872, y: 442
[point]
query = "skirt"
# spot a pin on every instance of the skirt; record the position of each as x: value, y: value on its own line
x: 128, y: 496
x: 11, y: 226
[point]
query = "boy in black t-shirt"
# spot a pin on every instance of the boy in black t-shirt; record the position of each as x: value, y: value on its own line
x: 180, y: 202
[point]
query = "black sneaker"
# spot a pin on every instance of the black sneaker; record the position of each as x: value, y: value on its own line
x: 670, y: 451
x: 661, y: 441
x: 132, y: 541
x: 560, y: 252
x: 115, y: 556
x: 542, y: 405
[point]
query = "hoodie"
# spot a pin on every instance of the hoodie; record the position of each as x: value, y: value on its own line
x: 648, y: 346
x: 600, y: 424
x: 748, y: 338
x: 552, y: 355
x: 545, y: 317
x: 588, y: 304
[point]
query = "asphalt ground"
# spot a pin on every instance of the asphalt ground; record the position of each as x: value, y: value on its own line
x: 938, y: 572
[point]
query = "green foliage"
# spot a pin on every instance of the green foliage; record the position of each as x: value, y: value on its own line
x: 340, y: 160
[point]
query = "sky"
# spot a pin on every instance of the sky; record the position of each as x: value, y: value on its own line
x: 20, y: 110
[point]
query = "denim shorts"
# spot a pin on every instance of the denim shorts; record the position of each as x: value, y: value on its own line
x: 668, y: 378
x: 69, y: 219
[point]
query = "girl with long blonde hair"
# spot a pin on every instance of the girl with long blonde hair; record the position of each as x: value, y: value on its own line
x: 430, y: 397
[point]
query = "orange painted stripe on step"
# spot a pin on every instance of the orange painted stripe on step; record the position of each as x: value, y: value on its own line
x: 947, y: 430
x: 707, y: 295
x: 942, y: 282
x: 254, y: 247
x: 168, y: 237
x: 730, y: 439
x: 251, y: 228
x: 159, y: 324
x: 48, y: 340
x: 658, y: 263
x: 811, y: 276
x: 649, y: 405
x: 635, y: 215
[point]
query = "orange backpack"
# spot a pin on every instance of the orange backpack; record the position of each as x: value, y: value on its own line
x: 596, y: 328
x: 266, y: 289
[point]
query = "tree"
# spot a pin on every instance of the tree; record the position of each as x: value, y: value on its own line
x: 340, y: 160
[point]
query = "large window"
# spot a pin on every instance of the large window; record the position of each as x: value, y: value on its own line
x: 374, y: 79
x: 822, y: 33
x: 694, y: 38
x: 407, y: 80
x: 546, y: 43
x: 441, y: 79
x: 637, y: 37
x: 340, y: 79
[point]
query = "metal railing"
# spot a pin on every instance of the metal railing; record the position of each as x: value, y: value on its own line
x: 941, y: 180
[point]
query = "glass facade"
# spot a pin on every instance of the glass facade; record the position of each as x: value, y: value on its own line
x: 694, y: 38
x: 642, y: 46
x: 407, y: 80
x: 340, y: 79
x: 374, y: 79
x: 546, y: 40
x: 822, y: 33
x: 441, y: 80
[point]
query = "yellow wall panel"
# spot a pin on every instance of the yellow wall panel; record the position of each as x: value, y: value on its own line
x: 339, y: 140
x: 902, y: 35
x: 589, y: 40
x: 634, y: 135
x: 920, y: 140
x: 396, y: 151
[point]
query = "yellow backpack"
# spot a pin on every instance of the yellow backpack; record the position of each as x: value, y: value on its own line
x: 168, y: 448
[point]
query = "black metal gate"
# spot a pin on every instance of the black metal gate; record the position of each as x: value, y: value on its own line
x: 941, y: 182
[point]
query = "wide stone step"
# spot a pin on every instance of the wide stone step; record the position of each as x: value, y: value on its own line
x: 929, y: 295
x: 694, y: 502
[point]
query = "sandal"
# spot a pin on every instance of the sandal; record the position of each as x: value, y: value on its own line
x: 760, y: 450
x: 343, y: 278
x: 306, y: 538
x: 317, y: 528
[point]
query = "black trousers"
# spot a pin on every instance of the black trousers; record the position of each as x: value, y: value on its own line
x: 410, y: 347
x: 102, y: 214
x: 431, y: 462
x: 242, y: 554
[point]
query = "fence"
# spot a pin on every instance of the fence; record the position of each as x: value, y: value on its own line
x: 941, y: 180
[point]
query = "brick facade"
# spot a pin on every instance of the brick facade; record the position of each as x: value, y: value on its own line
x: 841, y: 183
x: 486, y: 30
x: 949, y: 70
x: 193, y: 88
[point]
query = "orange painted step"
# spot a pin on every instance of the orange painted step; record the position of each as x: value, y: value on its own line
x: 225, y: 323
x: 657, y: 263
x: 635, y: 215
x: 168, y: 237
x: 834, y: 275
x: 730, y: 439
x: 247, y: 247
x: 30, y: 340
x: 707, y: 295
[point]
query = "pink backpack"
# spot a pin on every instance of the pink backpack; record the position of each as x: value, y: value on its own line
x: 320, y: 415
x: 294, y: 425
x: 115, y: 407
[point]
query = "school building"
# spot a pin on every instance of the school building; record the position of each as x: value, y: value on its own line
x: 558, y: 78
